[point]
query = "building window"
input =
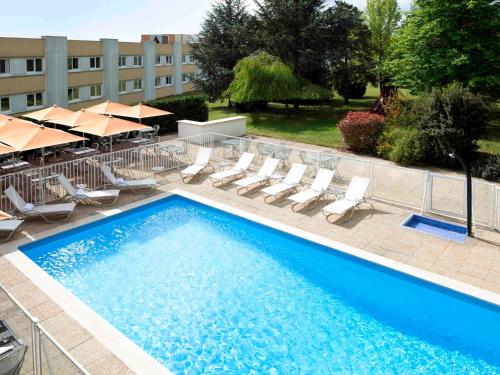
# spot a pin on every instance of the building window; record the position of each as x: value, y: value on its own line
x: 72, y: 63
x: 95, y: 91
x: 34, y: 65
x: 137, y: 84
x: 187, y: 77
x: 157, y: 81
x: 4, y: 66
x: 168, y: 59
x: 137, y: 60
x: 158, y: 60
x: 187, y: 59
x: 5, y: 104
x: 122, y: 86
x: 168, y: 80
x: 95, y: 63
x: 73, y: 94
x: 122, y: 61
x: 34, y: 100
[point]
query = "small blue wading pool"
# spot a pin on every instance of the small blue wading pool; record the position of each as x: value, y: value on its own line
x: 207, y: 292
x: 436, y: 227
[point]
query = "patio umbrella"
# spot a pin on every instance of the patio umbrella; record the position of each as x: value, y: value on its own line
x: 4, y: 216
x: 108, y: 108
x: 48, y: 114
x: 77, y: 118
x: 39, y: 137
x: 140, y: 111
x: 4, y: 149
x: 13, y: 126
x: 107, y: 126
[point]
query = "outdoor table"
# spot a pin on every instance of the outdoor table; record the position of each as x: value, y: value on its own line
x: 14, y: 165
x: 138, y: 140
x: 231, y: 144
x: 82, y: 151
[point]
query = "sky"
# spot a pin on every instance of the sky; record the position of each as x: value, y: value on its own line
x: 125, y: 20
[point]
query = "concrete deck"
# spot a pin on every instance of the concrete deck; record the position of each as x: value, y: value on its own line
x: 476, y: 262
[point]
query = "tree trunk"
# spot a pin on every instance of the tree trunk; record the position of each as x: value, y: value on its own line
x: 296, y: 105
x: 346, y: 100
x: 287, y: 108
x: 229, y: 103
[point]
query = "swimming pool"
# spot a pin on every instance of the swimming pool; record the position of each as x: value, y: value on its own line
x: 204, y: 291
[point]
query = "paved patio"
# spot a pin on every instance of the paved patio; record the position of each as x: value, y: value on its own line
x: 476, y: 262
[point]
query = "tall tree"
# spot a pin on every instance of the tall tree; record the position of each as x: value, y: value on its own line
x: 348, y: 49
x: 446, y: 41
x: 383, y: 17
x: 223, y: 40
x: 291, y: 30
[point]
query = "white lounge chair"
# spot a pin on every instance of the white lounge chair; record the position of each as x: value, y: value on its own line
x: 8, y: 226
x: 83, y: 195
x: 288, y: 186
x: 312, y: 195
x: 45, y: 211
x: 263, y: 176
x: 201, y: 163
x: 143, y: 185
x: 236, y: 172
x: 354, y: 196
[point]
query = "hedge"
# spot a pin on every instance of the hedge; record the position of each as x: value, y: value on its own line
x: 183, y: 108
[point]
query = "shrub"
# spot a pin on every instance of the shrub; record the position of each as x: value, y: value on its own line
x: 451, y: 120
x: 360, y: 131
x: 407, y: 147
x: 486, y: 166
x: 183, y: 108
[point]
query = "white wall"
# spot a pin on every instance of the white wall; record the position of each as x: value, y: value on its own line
x: 233, y: 126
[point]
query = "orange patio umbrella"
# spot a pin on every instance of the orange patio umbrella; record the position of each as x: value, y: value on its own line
x: 48, y: 114
x: 108, y: 126
x: 39, y: 137
x: 4, y: 149
x: 4, y: 216
x: 13, y: 126
x: 140, y: 111
x: 77, y: 118
x: 108, y: 108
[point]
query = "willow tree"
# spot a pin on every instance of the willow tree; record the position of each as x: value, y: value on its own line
x: 263, y: 78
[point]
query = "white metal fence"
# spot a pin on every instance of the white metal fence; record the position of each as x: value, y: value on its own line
x: 417, y: 189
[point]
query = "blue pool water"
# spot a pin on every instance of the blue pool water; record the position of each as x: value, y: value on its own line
x: 206, y: 292
x: 436, y: 227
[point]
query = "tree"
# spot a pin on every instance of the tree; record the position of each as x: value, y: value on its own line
x: 445, y: 41
x: 291, y: 30
x: 348, y: 49
x: 223, y: 40
x: 263, y: 78
x: 382, y: 17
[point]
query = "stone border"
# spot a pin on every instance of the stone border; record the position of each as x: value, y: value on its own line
x: 131, y: 354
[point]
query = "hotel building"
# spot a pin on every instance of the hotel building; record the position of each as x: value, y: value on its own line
x: 37, y: 73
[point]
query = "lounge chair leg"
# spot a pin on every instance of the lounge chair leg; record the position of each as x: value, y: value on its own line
x: 294, y: 205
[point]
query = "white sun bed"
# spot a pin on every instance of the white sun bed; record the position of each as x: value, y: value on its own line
x: 289, y: 184
x: 261, y: 177
x: 236, y: 172
x: 45, y: 211
x: 201, y: 163
x: 122, y: 184
x: 88, y: 196
x: 354, y: 196
x: 312, y: 195
x: 8, y: 227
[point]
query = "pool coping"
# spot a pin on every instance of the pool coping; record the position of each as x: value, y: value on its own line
x: 130, y: 353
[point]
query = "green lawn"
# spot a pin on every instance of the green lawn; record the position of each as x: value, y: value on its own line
x: 318, y: 124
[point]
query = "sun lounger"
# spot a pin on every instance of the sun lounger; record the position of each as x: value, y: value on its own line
x: 201, y: 163
x: 312, y: 195
x: 45, y: 211
x: 263, y: 176
x: 142, y: 185
x: 8, y: 227
x: 236, y: 172
x: 107, y: 197
x: 288, y: 186
x: 354, y: 196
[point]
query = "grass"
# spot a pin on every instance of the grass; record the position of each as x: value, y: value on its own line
x: 318, y: 124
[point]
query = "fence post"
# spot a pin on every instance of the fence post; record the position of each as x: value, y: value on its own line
x: 35, y: 350
x: 371, y: 176
x: 426, y: 199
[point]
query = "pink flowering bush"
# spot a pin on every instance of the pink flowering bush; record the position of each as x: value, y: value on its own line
x: 360, y: 131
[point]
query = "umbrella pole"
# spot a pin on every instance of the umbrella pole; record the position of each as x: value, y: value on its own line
x: 43, y: 156
x: 111, y: 143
